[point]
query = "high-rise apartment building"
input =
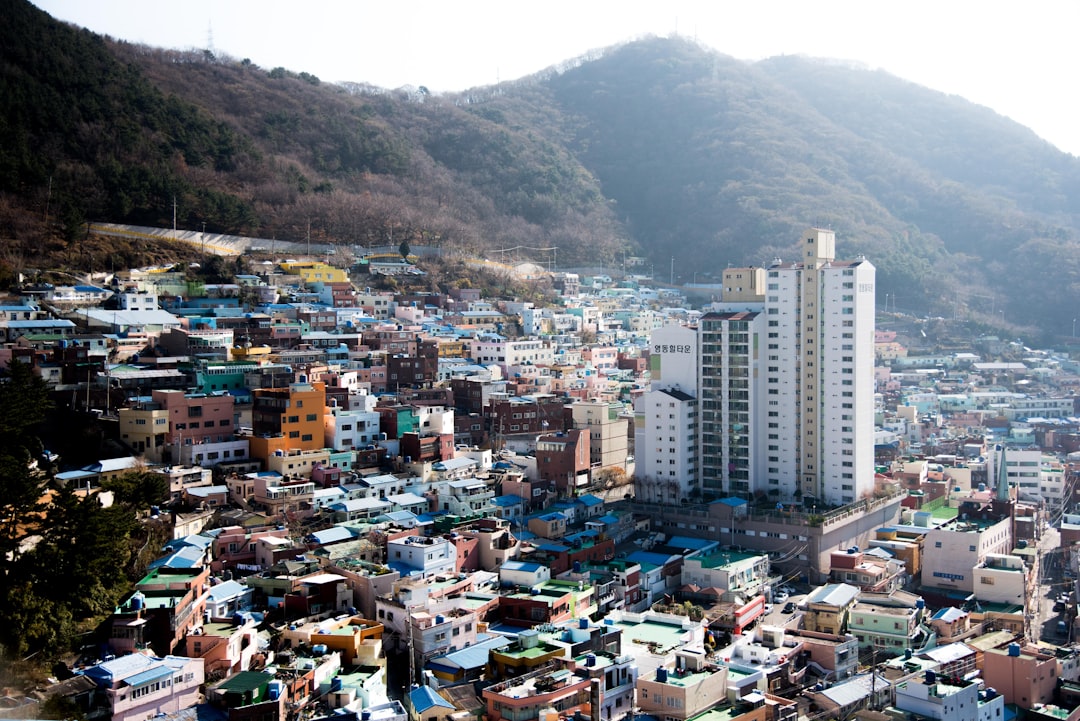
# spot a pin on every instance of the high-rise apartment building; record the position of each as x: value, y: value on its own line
x: 819, y: 375
x: 783, y: 385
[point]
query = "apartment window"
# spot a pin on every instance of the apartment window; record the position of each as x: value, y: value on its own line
x: 294, y: 434
x: 937, y: 544
x: 311, y: 417
x: 293, y: 419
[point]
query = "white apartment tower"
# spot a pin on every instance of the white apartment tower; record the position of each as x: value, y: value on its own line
x: 666, y: 421
x: 818, y: 389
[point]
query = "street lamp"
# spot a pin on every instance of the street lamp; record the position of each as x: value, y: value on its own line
x: 1074, y: 328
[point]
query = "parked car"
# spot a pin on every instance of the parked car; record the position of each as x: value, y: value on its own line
x: 768, y: 608
x: 779, y: 597
x: 789, y: 607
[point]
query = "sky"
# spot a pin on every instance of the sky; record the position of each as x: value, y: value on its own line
x: 1016, y: 58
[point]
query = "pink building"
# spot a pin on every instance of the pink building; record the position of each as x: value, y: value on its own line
x: 235, y: 546
x: 1024, y: 676
x: 140, y: 686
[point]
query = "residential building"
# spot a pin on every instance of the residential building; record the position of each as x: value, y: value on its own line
x: 739, y: 575
x: 731, y: 406
x: 954, y: 549
x: 563, y: 459
x: 287, y: 419
x: 933, y: 697
x: 684, y: 691
x: 1025, y: 676
x: 827, y: 608
x: 608, y: 432
x: 421, y: 556
x: 549, y: 687
x: 138, y: 686
x: 819, y: 366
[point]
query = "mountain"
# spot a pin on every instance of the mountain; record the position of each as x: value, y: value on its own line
x: 659, y: 148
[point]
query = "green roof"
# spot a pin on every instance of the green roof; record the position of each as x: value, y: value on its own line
x: 245, y: 681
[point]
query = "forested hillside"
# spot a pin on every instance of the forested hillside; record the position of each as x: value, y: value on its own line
x: 658, y: 148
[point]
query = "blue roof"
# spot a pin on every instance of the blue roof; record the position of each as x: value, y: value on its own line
x: 608, y: 518
x: 553, y: 517
x: 472, y: 657
x: 553, y: 547
x: 196, y: 540
x: 150, y: 674
x: 590, y: 500
x: 332, y: 534
x: 226, y: 590
x: 121, y: 667
x: 507, y: 500
x: 187, y: 557
x: 731, y: 501
x: 656, y: 559
x: 687, y: 542
x: 526, y: 566
x: 424, y: 698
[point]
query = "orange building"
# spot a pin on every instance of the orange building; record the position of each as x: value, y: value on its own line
x: 287, y: 419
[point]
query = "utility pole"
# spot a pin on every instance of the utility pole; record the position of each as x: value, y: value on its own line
x: 672, y: 270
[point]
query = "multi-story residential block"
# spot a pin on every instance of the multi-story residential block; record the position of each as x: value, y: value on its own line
x: 469, y: 497
x: 287, y: 419
x: 934, y: 697
x: 189, y: 419
x: 819, y: 359
x: 421, y: 556
x: 502, y: 352
x: 608, y: 432
x: 525, y: 697
x: 666, y: 445
x: 827, y: 608
x: 889, y: 624
x: 1025, y: 676
x: 166, y: 605
x: 137, y: 687
x: 686, y: 690
x: 563, y: 459
x: 731, y: 406
x: 350, y: 429
x: 953, y: 550
x: 740, y: 575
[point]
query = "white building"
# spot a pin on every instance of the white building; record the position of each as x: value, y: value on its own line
x: 345, y: 430
x: 420, y: 555
x: 1001, y: 578
x: 953, y: 700
x: 666, y: 419
x: 494, y: 349
x: 667, y: 447
x: 139, y: 300
x: 819, y: 367
x: 953, y: 550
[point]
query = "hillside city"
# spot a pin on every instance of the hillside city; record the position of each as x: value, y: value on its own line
x: 783, y: 502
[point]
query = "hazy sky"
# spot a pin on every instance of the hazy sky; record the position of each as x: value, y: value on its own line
x: 1017, y: 58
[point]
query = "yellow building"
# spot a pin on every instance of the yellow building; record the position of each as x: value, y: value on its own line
x: 316, y: 272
